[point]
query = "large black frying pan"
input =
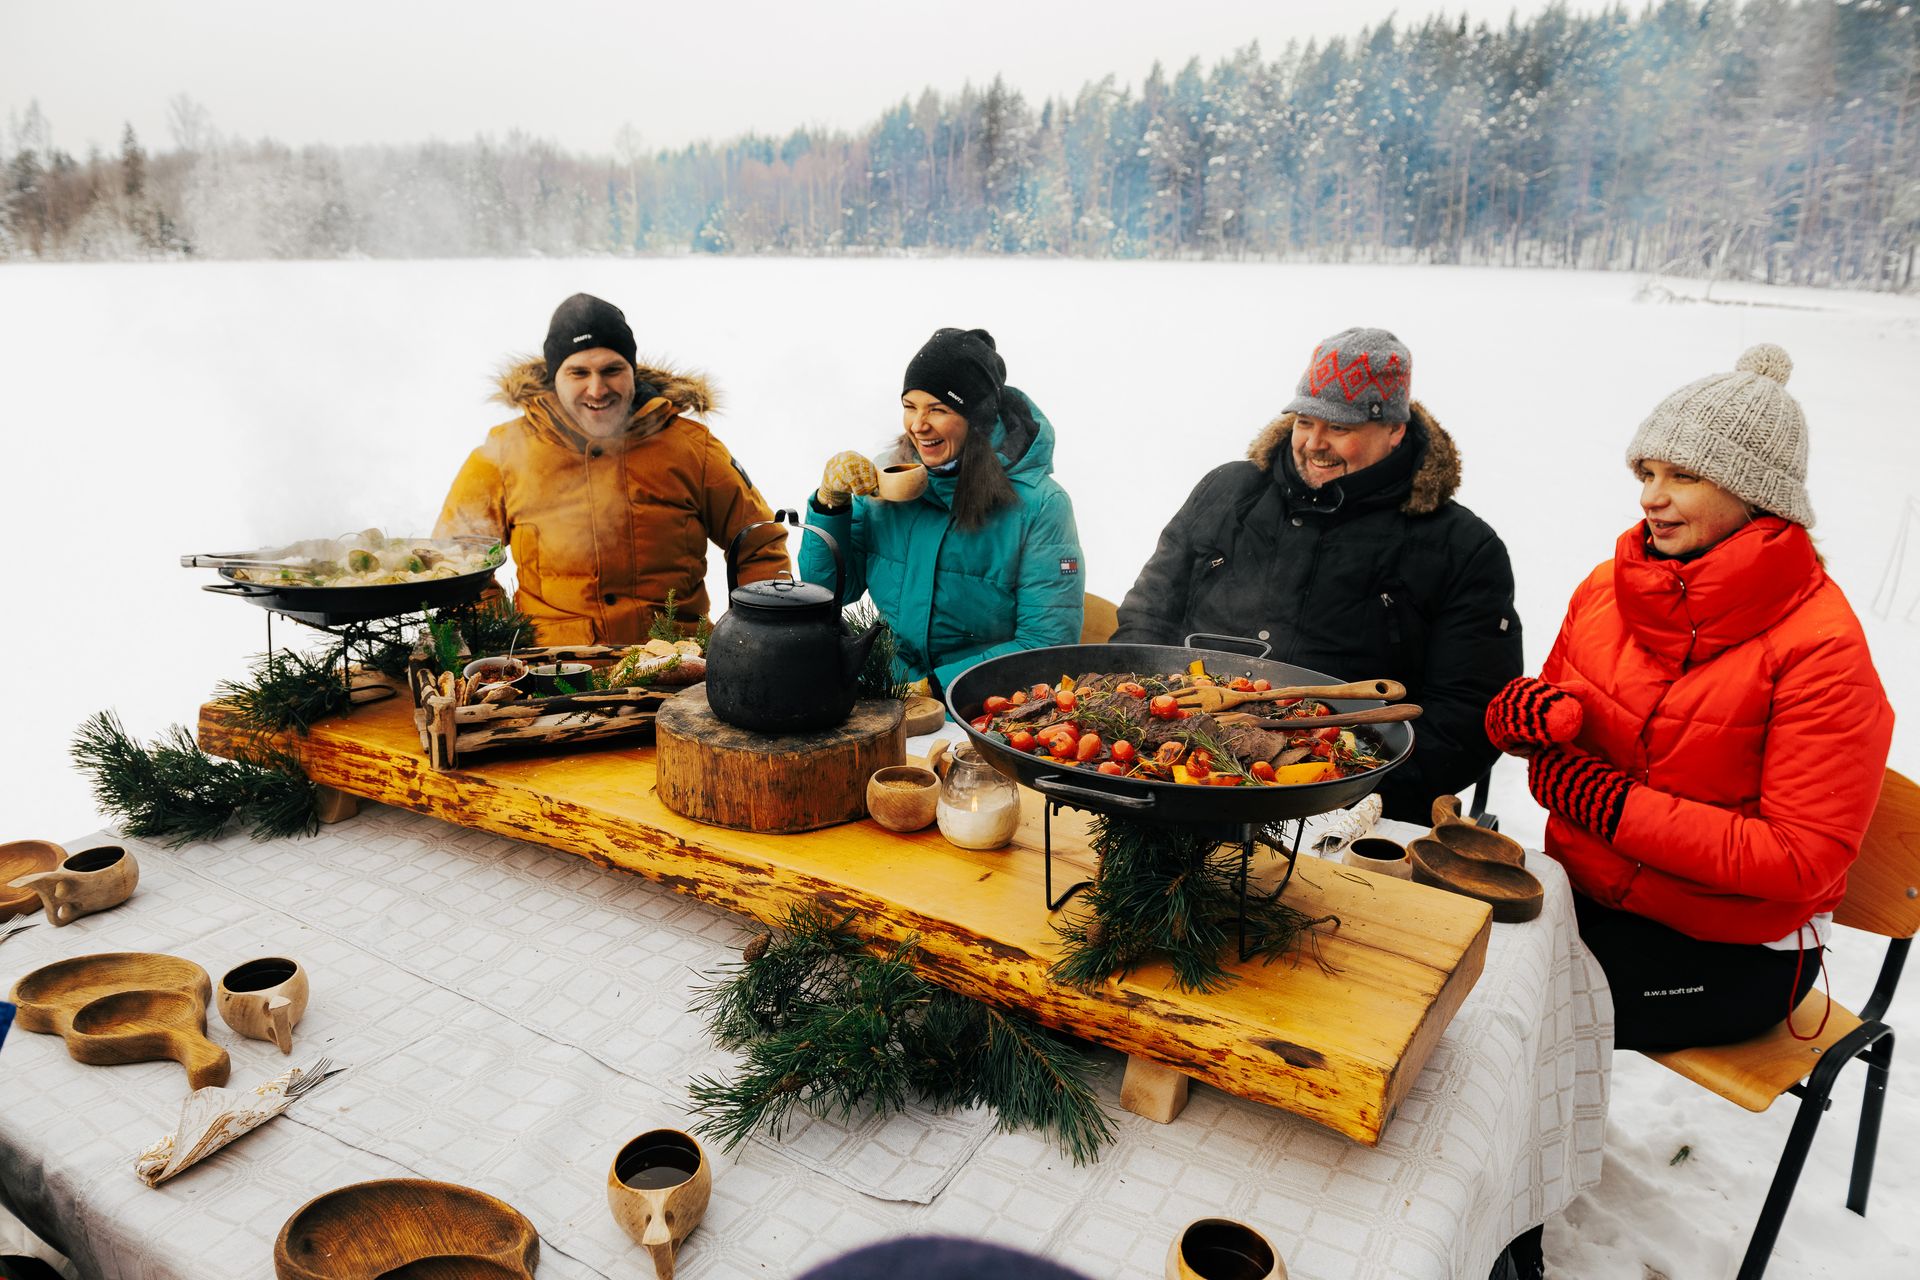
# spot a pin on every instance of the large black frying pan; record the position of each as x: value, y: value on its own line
x: 1084, y: 788
x: 338, y: 606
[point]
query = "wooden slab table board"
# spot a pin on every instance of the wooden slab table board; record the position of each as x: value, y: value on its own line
x: 1338, y: 1042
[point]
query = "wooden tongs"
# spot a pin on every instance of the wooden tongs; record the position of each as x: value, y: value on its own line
x: 1213, y: 698
x: 1392, y: 713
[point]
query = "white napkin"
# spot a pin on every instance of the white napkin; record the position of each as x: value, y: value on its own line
x: 209, y: 1120
x: 1330, y: 834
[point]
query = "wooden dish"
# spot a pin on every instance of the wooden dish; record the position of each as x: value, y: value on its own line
x: 1463, y: 835
x: 924, y: 715
x: 1512, y: 892
x: 126, y: 1006
x: 24, y: 858
x: 407, y: 1227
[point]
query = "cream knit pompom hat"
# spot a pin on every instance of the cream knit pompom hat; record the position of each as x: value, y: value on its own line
x: 1740, y: 430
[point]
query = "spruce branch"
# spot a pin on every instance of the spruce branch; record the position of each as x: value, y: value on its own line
x: 175, y: 792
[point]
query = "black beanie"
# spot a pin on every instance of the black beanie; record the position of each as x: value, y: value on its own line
x: 582, y: 323
x: 960, y: 368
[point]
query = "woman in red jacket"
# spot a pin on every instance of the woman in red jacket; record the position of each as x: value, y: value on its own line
x: 1708, y: 733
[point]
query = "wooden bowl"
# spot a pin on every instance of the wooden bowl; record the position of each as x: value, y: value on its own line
x: 407, y: 1227
x: 1463, y: 835
x: 1512, y: 892
x: 924, y: 715
x: 903, y: 797
x: 25, y: 858
x: 125, y: 1006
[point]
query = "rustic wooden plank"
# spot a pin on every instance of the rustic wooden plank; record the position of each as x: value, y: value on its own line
x: 1339, y: 1041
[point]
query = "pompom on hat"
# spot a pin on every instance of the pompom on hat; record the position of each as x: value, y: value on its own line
x: 1741, y: 430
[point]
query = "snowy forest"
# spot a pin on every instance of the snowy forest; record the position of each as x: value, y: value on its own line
x: 1774, y: 140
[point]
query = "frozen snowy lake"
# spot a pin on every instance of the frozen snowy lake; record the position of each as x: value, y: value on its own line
x: 167, y: 408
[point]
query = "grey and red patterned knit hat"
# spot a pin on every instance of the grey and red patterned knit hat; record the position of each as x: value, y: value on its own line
x: 1357, y: 375
x: 1741, y: 430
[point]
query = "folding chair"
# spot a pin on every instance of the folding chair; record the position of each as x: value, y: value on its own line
x: 1883, y: 897
x: 1099, y: 621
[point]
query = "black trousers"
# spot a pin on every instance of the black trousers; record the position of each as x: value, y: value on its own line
x: 1675, y: 992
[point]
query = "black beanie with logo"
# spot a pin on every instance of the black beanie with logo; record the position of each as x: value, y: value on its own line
x: 961, y: 369
x: 582, y: 323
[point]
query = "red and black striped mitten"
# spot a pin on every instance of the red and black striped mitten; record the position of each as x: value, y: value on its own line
x: 1591, y: 792
x: 1529, y: 714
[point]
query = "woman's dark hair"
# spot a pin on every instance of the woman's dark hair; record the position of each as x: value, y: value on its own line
x: 981, y: 486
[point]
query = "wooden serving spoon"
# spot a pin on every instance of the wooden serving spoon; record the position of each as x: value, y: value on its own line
x: 1212, y: 697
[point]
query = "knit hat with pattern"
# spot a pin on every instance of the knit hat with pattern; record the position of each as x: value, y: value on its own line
x: 1740, y: 430
x: 1357, y: 375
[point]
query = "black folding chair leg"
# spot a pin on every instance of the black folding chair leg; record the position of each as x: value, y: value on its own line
x: 1766, y: 1231
x: 1879, y: 1062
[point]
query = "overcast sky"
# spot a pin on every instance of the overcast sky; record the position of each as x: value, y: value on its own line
x: 346, y: 71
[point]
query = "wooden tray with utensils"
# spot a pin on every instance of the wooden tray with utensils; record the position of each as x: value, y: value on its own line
x: 126, y: 1006
x: 408, y: 1227
x: 25, y: 858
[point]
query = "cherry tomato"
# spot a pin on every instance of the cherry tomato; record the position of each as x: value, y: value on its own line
x: 1169, y: 752
x: 1179, y: 713
x: 1113, y: 770
x: 1329, y: 734
x: 981, y: 722
x: 1263, y: 771
x: 1088, y: 748
x: 1200, y: 756
x: 1021, y: 740
x: 1241, y: 685
x: 1123, y: 751
x: 1061, y: 746
x: 1066, y: 701
x: 1019, y: 699
x: 995, y: 705
x: 1323, y: 710
x: 1040, y: 691
x: 1131, y: 689
x: 1198, y: 769
x: 1261, y: 686
x: 1162, y: 707
x: 1324, y: 750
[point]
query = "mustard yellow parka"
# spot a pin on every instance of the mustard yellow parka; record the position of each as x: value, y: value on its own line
x: 601, y: 530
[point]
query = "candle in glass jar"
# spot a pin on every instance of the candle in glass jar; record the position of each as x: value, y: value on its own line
x: 987, y: 825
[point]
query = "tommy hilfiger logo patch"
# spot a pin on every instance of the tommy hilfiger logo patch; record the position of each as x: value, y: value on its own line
x: 1069, y: 565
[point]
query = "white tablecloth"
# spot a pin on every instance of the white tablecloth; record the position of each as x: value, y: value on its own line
x: 515, y: 1014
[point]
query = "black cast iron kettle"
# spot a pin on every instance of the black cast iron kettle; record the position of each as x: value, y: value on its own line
x: 780, y: 659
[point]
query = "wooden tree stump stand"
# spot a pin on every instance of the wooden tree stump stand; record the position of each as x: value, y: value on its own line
x: 714, y: 773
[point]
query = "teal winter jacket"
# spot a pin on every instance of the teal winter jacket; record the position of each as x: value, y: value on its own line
x: 957, y: 596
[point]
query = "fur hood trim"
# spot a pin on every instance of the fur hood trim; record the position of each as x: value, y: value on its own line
x: 524, y: 380
x: 1437, y: 480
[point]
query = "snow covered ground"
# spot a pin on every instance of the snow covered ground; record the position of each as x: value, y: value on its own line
x: 166, y: 408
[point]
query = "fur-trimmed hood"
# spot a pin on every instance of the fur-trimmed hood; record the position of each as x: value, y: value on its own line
x: 1435, y: 481
x: 523, y: 385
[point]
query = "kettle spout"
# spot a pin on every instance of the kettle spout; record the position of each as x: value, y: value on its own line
x: 854, y: 651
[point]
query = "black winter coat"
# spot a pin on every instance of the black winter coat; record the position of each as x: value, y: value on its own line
x: 1379, y: 574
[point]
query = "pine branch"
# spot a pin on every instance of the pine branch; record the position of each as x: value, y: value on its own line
x: 289, y: 690
x: 175, y: 792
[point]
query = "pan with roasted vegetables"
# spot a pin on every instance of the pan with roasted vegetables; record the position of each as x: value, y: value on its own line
x: 1127, y: 728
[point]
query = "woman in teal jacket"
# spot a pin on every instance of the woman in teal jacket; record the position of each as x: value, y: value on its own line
x: 987, y: 560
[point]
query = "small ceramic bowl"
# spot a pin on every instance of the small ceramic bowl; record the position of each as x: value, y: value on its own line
x: 545, y: 680
x: 902, y: 482
x: 485, y: 672
x: 903, y: 797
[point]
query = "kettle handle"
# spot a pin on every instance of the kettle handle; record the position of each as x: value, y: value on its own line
x: 792, y: 520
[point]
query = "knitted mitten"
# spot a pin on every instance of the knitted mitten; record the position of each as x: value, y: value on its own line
x: 1591, y: 792
x: 846, y: 474
x: 1530, y: 713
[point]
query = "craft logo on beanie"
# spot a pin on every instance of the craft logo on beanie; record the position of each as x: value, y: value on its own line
x: 1357, y: 375
x: 583, y: 323
x: 1742, y: 430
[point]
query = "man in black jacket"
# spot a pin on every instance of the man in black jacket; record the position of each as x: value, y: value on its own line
x: 1339, y: 544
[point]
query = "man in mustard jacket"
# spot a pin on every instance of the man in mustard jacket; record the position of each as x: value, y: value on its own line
x: 605, y: 494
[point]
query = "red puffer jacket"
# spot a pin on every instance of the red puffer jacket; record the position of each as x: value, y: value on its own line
x: 1738, y: 689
